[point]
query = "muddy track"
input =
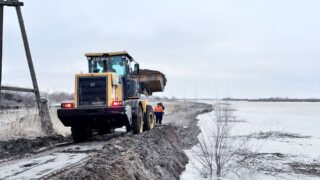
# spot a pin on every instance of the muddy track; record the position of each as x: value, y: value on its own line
x: 157, y: 153
x: 19, y: 148
x: 46, y: 160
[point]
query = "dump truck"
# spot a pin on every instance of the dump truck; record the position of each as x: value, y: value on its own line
x: 110, y: 95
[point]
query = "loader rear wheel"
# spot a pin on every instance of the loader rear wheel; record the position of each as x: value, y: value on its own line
x: 149, y: 119
x: 102, y: 131
x: 81, y: 133
x: 111, y: 130
x: 137, y: 122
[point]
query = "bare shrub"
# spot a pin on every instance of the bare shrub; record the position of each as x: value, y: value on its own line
x: 217, y: 152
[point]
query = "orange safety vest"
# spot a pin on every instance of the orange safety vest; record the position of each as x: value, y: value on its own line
x: 158, y: 109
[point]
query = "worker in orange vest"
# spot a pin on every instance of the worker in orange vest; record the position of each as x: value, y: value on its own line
x: 159, y: 111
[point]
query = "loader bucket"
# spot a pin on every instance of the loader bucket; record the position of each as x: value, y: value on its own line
x: 151, y: 81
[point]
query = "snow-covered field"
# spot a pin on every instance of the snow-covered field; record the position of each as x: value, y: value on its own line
x: 285, y: 140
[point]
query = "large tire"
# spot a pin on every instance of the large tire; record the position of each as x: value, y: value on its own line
x: 137, y: 122
x: 81, y: 133
x: 149, y: 120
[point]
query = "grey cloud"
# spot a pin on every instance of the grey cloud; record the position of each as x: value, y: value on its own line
x: 207, y: 48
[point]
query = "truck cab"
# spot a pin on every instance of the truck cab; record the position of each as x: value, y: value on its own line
x: 120, y: 63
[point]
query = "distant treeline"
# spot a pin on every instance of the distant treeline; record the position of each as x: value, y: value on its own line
x: 273, y: 99
x: 16, y: 100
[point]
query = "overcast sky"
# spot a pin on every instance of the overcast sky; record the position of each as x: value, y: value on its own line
x: 207, y: 48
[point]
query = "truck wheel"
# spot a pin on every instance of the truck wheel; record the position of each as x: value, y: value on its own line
x: 137, y: 122
x: 149, y: 119
x: 81, y: 133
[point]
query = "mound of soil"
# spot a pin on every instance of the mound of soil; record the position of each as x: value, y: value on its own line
x: 156, y: 154
x: 22, y: 146
x: 189, y: 134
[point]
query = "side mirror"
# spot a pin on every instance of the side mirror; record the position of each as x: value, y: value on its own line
x: 136, y: 69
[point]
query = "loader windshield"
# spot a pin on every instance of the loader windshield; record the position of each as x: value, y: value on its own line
x: 116, y: 64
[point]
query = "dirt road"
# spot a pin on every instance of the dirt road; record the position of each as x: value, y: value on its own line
x: 157, y: 153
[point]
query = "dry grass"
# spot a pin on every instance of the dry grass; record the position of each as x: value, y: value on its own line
x: 26, y: 123
x: 57, y: 125
x: 19, y: 123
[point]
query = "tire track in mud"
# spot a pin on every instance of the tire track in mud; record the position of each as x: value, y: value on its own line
x: 45, y: 161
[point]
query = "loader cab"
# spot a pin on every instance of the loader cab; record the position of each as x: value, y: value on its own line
x: 120, y: 63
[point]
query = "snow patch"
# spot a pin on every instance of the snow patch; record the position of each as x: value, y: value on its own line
x: 285, y: 140
x: 39, y: 167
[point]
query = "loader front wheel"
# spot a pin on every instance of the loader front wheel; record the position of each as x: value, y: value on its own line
x: 149, y: 119
x: 137, y: 122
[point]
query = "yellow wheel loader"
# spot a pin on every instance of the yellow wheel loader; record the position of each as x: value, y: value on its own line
x: 109, y: 96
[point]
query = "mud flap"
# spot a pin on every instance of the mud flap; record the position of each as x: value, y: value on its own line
x: 129, y: 114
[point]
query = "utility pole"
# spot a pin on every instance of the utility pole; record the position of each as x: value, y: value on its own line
x: 1, y: 43
x: 41, y: 103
